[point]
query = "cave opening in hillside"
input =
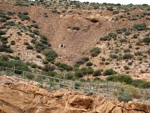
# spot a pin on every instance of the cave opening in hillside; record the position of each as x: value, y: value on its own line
x: 94, y: 20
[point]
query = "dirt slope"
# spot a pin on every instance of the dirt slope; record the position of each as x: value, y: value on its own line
x: 77, y: 42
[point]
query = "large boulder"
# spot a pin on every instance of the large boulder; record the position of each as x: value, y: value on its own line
x: 80, y: 101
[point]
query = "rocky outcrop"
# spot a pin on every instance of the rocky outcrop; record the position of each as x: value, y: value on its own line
x: 19, y: 96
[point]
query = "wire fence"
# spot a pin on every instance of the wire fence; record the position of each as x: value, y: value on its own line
x: 104, y: 88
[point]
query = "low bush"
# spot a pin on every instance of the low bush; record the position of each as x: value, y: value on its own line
x: 29, y: 47
x: 2, y: 32
x: 50, y: 53
x: 124, y: 97
x: 13, y: 42
x: 95, y: 51
x: 140, y: 27
x: 69, y: 76
x: 120, y: 78
x: 64, y: 66
x: 23, y: 16
x: 77, y: 85
x: 146, y: 40
x: 10, y: 23
x: 109, y: 72
x: 97, y: 73
x: 127, y: 56
x: 89, y: 64
x: 145, y: 85
x: 105, y: 38
x: 82, y: 61
x: 48, y: 68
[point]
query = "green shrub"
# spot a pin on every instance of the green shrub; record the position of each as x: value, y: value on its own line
x: 2, y: 32
x: 23, y: 16
x: 123, y: 40
x: 19, y: 33
x: 74, y: 28
x: 113, y: 56
x: 51, y: 73
x: 120, y: 78
x: 113, y: 35
x: 78, y: 73
x: 82, y: 61
x: 115, y: 12
x: 90, y: 70
x: 124, y: 97
x: 26, y: 43
x: 137, y: 83
x: 48, y: 68
x: 95, y: 51
x: 127, y: 56
x: 69, y: 76
x: 13, y: 43
x: 146, y: 40
x: 77, y: 85
x: 36, y: 32
x: 105, y: 38
x: 85, y: 59
x: 89, y: 64
x: 29, y: 47
x: 64, y: 66
x: 50, y: 53
x: 119, y: 31
x: 126, y: 67
x: 45, y: 62
x: 32, y: 35
x: 127, y: 33
x: 10, y: 23
x: 38, y: 56
x: 145, y: 85
x: 97, y: 73
x: 109, y: 72
x: 43, y: 37
x: 29, y: 76
x: 140, y: 27
x: 40, y: 47
x: 5, y: 48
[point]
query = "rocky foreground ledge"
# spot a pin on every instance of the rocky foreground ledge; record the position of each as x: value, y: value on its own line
x: 18, y: 96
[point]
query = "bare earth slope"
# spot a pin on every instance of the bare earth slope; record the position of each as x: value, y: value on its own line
x: 18, y: 96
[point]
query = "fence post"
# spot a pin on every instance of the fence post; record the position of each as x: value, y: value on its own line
x: 89, y: 86
x: 6, y: 71
x: 145, y: 94
x: 107, y: 89
x: 73, y: 85
x: 59, y: 83
x: 23, y: 75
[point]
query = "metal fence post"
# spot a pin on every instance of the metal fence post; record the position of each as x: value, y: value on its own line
x: 59, y: 83
x: 73, y: 85
x: 6, y: 71
x: 145, y: 94
x: 89, y: 86
x: 23, y: 75
x: 107, y: 88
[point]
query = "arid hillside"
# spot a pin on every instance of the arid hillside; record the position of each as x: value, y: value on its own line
x: 77, y: 43
x: 87, y: 41
x: 101, y: 50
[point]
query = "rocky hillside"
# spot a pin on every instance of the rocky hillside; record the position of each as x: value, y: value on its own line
x: 19, y: 96
x: 60, y: 28
x: 87, y: 41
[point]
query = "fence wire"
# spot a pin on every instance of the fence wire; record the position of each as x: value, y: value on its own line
x: 105, y: 89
